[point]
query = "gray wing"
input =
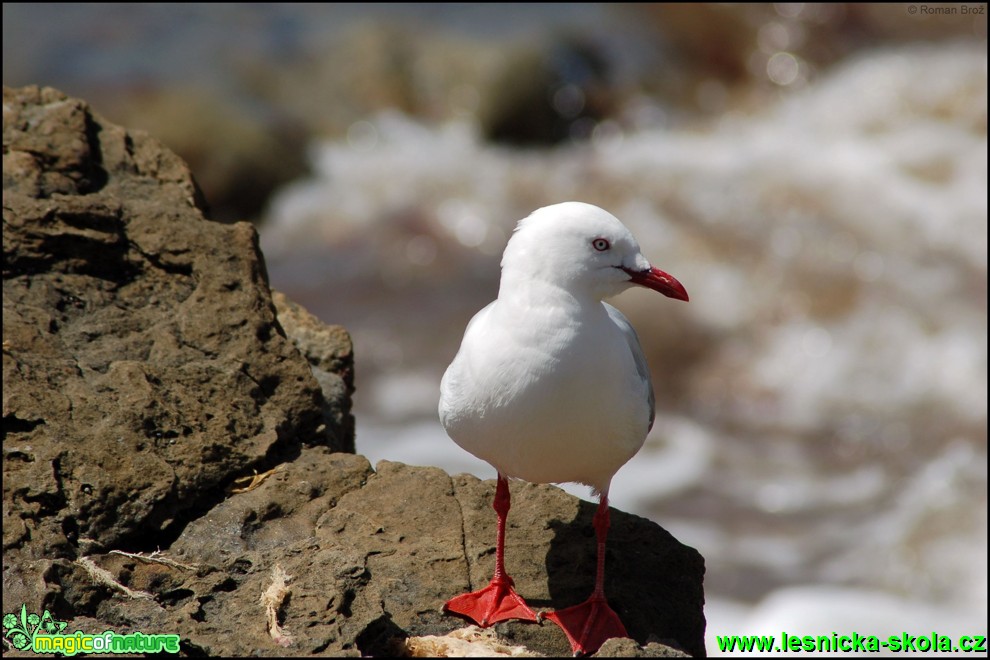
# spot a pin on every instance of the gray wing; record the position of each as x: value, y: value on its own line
x: 638, y: 357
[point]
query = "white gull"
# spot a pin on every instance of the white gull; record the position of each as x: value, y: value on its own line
x: 551, y: 385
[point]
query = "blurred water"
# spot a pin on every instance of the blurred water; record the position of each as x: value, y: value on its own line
x: 822, y: 428
x: 821, y: 433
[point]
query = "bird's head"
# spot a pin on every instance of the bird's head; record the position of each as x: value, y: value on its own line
x: 583, y: 249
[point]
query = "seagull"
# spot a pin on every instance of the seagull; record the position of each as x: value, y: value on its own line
x: 550, y: 385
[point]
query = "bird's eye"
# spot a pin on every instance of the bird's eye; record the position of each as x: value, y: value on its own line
x: 601, y: 244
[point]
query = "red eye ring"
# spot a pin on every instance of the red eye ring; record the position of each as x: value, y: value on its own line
x: 601, y: 244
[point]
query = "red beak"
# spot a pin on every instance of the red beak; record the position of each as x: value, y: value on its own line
x: 656, y: 279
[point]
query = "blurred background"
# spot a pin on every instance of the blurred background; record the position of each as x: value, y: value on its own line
x: 815, y: 175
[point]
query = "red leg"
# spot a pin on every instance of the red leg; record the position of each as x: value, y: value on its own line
x: 589, y: 624
x: 498, y: 601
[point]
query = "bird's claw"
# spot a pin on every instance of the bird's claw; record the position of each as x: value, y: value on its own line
x: 588, y: 625
x: 496, y: 602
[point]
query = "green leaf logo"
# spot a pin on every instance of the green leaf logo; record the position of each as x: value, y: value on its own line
x: 20, y: 630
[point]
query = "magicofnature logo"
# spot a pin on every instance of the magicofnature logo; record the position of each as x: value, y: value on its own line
x: 44, y: 634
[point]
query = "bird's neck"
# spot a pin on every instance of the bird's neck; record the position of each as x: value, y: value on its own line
x: 533, y: 293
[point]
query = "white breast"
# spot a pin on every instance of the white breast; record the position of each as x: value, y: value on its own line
x: 559, y: 398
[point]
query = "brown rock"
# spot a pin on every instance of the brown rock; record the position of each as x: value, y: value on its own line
x: 143, y: 365
x: 387, y: 550
x: 330, y: 354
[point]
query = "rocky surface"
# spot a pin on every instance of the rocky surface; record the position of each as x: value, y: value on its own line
x: 328, y: 350
x: 176, y: 440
